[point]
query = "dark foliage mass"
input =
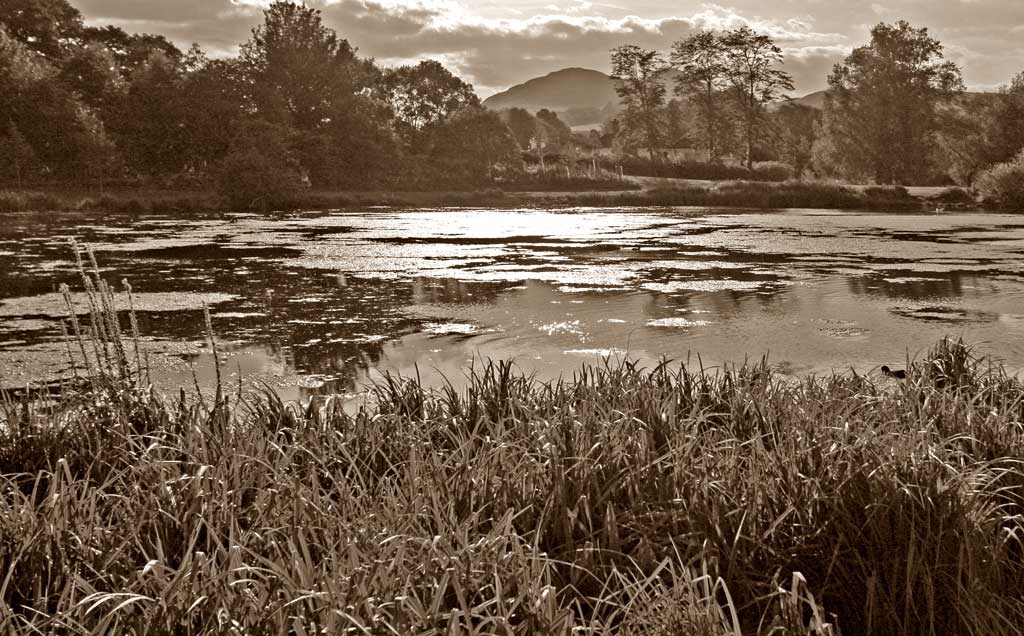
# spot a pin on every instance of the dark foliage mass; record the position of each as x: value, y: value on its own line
x: 895, y: 113
x: 89, y: 107
x: 298, y: 107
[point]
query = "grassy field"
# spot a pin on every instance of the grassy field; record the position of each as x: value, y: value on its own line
x: 620, y: 501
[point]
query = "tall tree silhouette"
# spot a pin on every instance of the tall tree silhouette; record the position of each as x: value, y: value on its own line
x: 752, y: 68
x: 639, y: 82
x: 48, y: 27
x: 880, y: 109
x: 700, y: 62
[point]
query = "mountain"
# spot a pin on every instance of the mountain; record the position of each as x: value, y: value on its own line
x: 582, y: 97
x: 814, y: 100
x: 592, y: 93
x: 817, y: 99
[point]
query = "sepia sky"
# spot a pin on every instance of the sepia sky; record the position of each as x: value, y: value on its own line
x: 497, y: 43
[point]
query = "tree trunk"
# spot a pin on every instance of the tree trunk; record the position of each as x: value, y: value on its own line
x: 711, y: 125
x: 750, y: 143
x: 751, y: 114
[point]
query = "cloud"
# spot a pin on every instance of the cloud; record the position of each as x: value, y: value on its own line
x: 495, y: 44
x: 494, y: 53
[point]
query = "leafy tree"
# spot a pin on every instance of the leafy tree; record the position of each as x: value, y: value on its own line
x: 470, y: 147
x: 701, y: 64
x: 639, y: 82
x: 1004, y: 183
x: 962, y: 141
x: 16, y: 154
x: 259, y: 172
x: 794, y: 130
x: 552, y: 133
x: 676, y: 126
x: 61, y: 130
x: 194, y: 59
x: 154, y: 128
x: 48, y: 27
x: 976, y: 131
x: 425, y: 94
x: 297, y: 73
x: 610, y: 131
x: 90, y: 72
x: 297, y: 68
x: 1006, y: 130
x: 213, y: 103
x: 523, y: 126
x: 880, y: 110
x: 354, y: 149
x: 751, y: 68
x: 624, y: 135
x: 96, y: 153
x: 19, y: 68
x: 130, y: 52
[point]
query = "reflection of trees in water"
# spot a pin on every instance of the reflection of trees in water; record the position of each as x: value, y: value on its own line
x: 722, y: 303
x: 440, y: 291
x: 359, y: 346
x: 311, y: 321
x: 450, y: 291
x: 905, y: 284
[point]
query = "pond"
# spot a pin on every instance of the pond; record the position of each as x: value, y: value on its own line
x: 326, y: 302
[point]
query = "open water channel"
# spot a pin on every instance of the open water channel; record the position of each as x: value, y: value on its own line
x: 326, y: 302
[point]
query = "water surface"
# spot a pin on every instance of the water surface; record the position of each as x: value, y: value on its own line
x: 324, y: 302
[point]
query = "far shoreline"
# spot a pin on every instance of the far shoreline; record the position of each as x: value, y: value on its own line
x: 640, y: 192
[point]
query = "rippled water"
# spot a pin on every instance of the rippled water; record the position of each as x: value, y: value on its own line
x: 322, y: 302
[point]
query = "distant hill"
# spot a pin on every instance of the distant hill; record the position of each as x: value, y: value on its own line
x: 580, y: 96
x: 814, y: 100
x: 567, y: 89
x: 583, y: 98
x: 817, y: 99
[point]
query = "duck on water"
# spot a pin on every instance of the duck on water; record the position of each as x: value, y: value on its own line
x: 898, y: 374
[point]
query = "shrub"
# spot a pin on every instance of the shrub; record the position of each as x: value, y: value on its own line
x: 30, y: 202
x: 699, y: 171
x: 767, y: 196
x: 556, y: 180
x: 83, y: 204
x: 887, y: 192
x: 1003, y: 184
x: 13, y: 201
x: 772, y: 171
x: 955, y: 196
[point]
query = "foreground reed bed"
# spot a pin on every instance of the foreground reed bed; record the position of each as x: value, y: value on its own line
x: 623, y: 500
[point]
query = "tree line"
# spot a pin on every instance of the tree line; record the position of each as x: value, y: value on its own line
x: 84, y: 104
x: 895, y: 112
x: 299, y: 106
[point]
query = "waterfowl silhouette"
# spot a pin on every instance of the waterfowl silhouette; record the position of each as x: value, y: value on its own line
x: 899, y: 374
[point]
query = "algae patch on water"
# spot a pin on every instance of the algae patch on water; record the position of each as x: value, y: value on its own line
x: 53, y: 305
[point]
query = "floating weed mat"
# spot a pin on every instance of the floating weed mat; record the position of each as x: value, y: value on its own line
x: 626, y: 500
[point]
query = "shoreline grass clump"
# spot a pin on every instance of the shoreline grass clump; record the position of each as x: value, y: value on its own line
x: 765, y: 196
x: 545, y: 190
